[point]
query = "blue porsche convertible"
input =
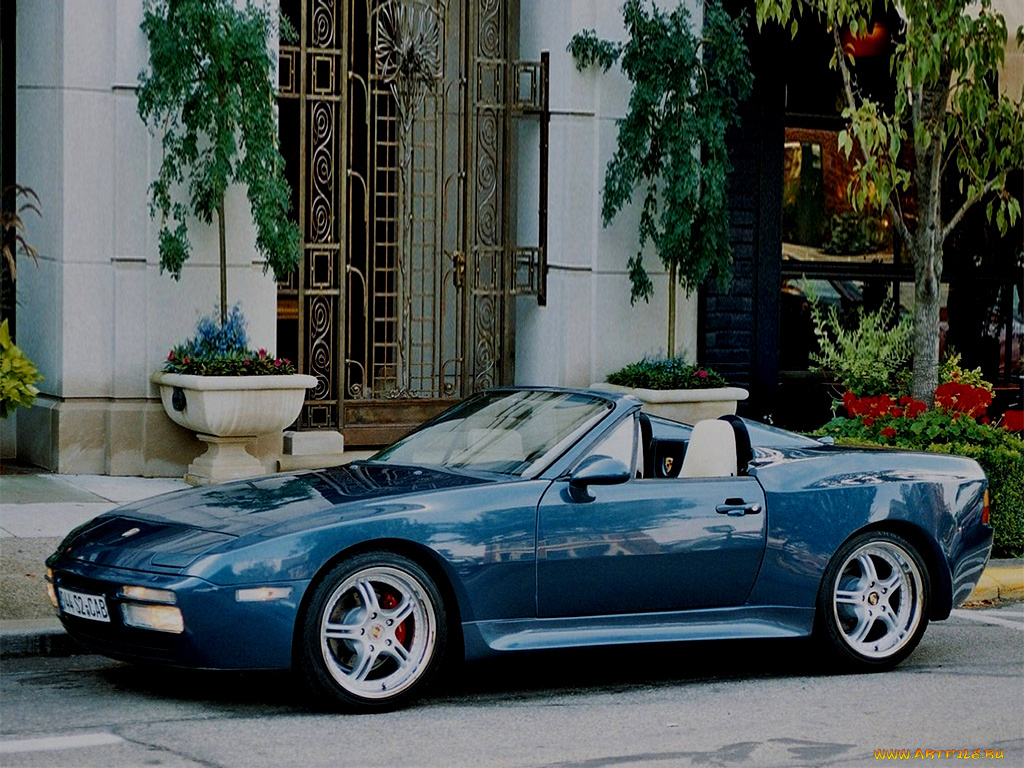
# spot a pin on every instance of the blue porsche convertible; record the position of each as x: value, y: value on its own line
x: 532, y: 518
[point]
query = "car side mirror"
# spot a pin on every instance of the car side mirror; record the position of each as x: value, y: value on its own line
x: 597, y: 470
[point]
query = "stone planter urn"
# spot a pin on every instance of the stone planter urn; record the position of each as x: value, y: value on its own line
x: 226, y: 413
x: 686, y: 405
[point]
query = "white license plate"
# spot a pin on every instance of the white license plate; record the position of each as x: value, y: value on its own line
x: 93, y: 607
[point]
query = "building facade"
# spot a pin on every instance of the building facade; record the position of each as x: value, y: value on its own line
x: 458, y: 192
x: 450, y: 242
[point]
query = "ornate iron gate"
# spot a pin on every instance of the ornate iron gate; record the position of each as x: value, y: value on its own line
x: 400, y: 170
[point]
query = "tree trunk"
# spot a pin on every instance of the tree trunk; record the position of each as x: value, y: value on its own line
x: 927, y: 256
x: 927, y: 302
x: 927, y: 246
x: 671, y: 347
x: 223, y: 265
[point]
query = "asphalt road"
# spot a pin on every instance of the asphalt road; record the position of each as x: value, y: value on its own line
x: 707, y: 704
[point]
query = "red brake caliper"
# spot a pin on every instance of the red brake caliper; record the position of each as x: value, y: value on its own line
x: 389, y: 601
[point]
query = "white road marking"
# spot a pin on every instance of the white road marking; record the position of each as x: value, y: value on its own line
x: 989, y: 617
x: 48, y: 743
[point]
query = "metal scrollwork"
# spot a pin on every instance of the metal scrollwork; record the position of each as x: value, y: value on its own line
x: 408, y: 55
x: 402, y: 188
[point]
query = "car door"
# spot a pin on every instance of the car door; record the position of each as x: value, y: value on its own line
x: 648, y: 545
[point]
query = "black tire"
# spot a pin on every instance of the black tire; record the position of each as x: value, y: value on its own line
x: 873, y: 602
x: 373, y: 633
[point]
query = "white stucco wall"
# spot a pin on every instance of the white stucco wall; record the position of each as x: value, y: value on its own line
x: 588, y: 327
x: 96, y: 315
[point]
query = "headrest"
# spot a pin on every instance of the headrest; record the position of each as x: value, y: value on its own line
x: 712, y: 450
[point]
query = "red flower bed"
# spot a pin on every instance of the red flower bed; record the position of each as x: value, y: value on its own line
x: 882, y: 405
x: 963, y: 399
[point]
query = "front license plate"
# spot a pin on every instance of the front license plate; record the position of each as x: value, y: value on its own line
x: 92, y: 607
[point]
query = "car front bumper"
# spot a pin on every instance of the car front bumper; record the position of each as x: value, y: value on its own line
x: 220, y: 631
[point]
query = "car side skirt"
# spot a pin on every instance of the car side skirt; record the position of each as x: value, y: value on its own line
x: 485, y: 638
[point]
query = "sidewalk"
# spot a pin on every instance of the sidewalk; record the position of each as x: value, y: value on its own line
x: 37, y: 510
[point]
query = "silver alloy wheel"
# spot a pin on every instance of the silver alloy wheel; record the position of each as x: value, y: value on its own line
x: 378, y: 632
x: 878, y: 599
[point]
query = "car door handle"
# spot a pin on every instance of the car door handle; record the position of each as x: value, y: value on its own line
x: 738, y: 510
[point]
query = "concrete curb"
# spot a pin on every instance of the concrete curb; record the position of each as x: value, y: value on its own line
x: 1001, y: 580
x: 36, y: 637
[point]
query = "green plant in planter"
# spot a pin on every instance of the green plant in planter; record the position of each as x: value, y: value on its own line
x: 672, y: 373
x: 210, y: 90
x: 222, y: 349
x: 686, y: 87
x: 18, y: 374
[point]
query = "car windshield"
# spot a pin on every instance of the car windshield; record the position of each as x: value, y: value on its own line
x: 514, y: 433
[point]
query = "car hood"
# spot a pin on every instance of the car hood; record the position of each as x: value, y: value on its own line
x: 174, y: 529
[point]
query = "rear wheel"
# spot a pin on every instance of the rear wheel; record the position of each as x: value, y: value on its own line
x: 373, y: 633
x: 873, y: 602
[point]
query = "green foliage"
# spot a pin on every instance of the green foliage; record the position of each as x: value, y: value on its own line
x: 210, y: 90
x: 929, y: 428
x: 17, y: 375
x: 671, y: 143
x: 673, y: 373
x: 867, y: 356
x: 588, y: 49
x: 248, y: 363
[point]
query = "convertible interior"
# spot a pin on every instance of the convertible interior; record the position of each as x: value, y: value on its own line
x: 712, y: 448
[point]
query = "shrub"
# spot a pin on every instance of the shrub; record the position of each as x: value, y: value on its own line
x: 222, y: 349
x: 17, y: 375
x: 673, y: 373
x: 868, y: 357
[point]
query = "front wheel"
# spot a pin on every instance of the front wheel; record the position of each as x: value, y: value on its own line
x: 373, y: 634
x: 873, y: 602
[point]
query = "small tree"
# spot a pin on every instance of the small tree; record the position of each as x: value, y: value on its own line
x: 946, y: 110
x: 210, y: 90
x: 686, y: 88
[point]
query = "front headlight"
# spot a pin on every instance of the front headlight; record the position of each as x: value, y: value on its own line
x: 162, y: 618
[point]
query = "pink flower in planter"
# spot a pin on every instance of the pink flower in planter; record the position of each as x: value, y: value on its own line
x: 170, y: 355
x: 277, y: 363
x: 262, y: 353
x: 702, y: 374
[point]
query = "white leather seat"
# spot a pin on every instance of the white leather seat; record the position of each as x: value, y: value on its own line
x: 711, y: 451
